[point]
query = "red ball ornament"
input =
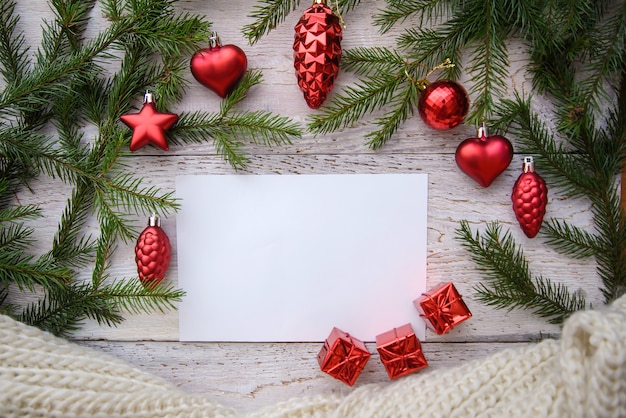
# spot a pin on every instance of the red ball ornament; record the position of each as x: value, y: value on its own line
x: 485, y: 157
x: 530, y: 198
x: 149, y: 125
x: 443, y: 104
x: 317, y: 52
x: 219, y: 68
x: 152, y: 253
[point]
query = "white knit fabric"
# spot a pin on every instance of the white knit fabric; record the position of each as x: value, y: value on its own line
x: 582, y: 375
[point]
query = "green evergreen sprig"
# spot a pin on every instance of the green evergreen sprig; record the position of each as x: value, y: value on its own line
x: 230, y: 127
x: 509, y: 281
x: 63, y: 85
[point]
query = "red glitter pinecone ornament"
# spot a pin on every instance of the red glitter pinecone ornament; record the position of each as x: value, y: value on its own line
x: 530, y: 197
x: 317, y: 52
x: 152, y: 253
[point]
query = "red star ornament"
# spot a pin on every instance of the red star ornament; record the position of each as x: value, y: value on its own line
x: 149, y: 125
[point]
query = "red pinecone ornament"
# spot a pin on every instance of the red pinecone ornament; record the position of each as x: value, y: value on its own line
x: 152, y: 253
x: 530, y: 197
x: 317, y: 52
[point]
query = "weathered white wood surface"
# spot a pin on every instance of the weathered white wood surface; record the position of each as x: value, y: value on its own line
x: 248, y: 376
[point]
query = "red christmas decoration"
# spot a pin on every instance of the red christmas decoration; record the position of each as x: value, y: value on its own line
x: 443, y: 104
x: 442, y: 307
x: 219, y: 68
x: 343, y: 356
x: 317, y: 52
x: 152, y: 253
x: 400, y: 351
x: 530, y: 198
x: 149, y: 125
x: 485, y: 157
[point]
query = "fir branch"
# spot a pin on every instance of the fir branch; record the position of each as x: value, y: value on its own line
x: 607, y: 58
x: 13, y: 54
x: 19, y: 213
x: 128, y: 193
x: 398, y: 11
x: 611, y: 260
x: 262, y: 127
x: 46, y: 81
x: 344, y: 6
x: 570, y: 240
x: 230, y: 126
x: 510, y: 283
x: 563, y: 168
x: 71, y: 18
x: 171, y: 82
x: 64, y: 308
x: 268, y: 14
x: 373, y: 60
x: 6, y: 308
x: 198, y: 127
x: 109, y: 215
x: 489, y: 64
x: 178, y: 34
x: 121, y: 91
x: 15, y: 237
x: 402, y: 108
x: 34, y: 153
x: 27, y: 273
x: 430, y: 48
x: 133, y: 297
x: 366, y: 96
x: 70, y: 248
x: 110, y: 228
x: 251, y: 78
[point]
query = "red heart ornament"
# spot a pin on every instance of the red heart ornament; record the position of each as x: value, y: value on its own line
x: 220, y: 68
x: 484, y: 158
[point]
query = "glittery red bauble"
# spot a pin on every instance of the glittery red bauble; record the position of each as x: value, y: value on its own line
x: 530, y: 198
x: 219, y: 68
x: 443, y: 104
x: 483, y: 158
x: 317, y: 52
x: 152, y: 253
x: 149, y: 125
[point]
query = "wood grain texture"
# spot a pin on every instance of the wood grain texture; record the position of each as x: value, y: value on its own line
x: 248, y: 376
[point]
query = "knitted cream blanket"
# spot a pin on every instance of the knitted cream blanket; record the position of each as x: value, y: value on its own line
x: 582, y: 375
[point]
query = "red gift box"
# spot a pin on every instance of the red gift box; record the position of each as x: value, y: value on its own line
x: 442, y: 307
x: 400, y: 351
x: 343, y: 356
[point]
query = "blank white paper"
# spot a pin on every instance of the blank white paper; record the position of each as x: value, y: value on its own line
x: 285, y: 258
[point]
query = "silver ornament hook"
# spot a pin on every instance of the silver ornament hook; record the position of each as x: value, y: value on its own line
x: 148, y: 97
x: 154, y: 220
x: 482, y: 130
x: 214, y: 40
x: 529, y: 165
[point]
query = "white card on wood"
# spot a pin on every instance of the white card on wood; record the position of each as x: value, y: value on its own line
x: 287, y: 257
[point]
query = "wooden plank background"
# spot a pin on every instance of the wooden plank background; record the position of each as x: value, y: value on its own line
x: 250, y: 375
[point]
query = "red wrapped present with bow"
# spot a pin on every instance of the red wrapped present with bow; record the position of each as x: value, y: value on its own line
x: 400, y: 351
x: 442, y: 307
x: 343, y: 356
